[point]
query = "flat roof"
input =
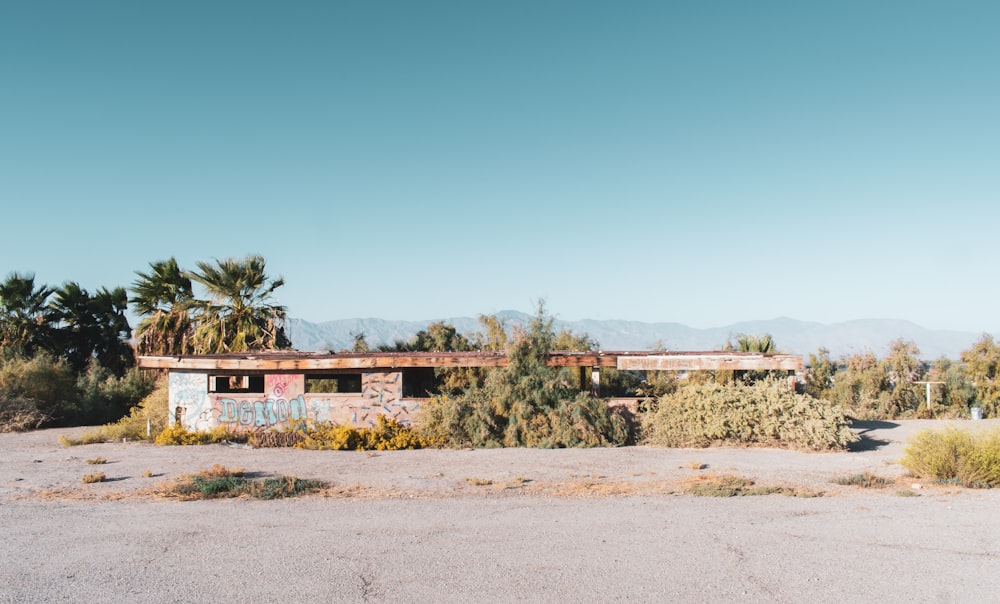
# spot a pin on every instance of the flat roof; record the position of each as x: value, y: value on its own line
x: 314, y: 361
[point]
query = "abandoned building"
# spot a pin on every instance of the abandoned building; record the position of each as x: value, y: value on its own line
x: 273, y: 390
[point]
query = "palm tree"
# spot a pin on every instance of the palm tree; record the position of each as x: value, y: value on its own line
x: 239, y: 315
x: 110, y: 330
x: 750, y: 343
x: 163, y: 298
x: 70, y: 309
x: 24, y: 315
x: 92, y: 327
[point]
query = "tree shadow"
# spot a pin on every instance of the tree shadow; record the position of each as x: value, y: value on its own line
x: 868, y: 441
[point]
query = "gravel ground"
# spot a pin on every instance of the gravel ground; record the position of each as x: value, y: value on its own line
x: 491, y: 525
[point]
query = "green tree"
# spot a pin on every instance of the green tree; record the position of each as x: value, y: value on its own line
x: 493, y: 338
x: 163, y: 298
x: 957, y: 393
x: 982, y: 364
x: 24, y: 315
x: 903, y: 368
x: 440, y: 337
x: 239, y: 314
x: 820, y: 376
x: 863, y: 387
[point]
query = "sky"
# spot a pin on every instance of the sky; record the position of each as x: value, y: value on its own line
x: 695, y: 162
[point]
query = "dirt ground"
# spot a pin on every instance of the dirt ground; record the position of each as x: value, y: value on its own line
x: 35, y: 464
x: 498, y: 525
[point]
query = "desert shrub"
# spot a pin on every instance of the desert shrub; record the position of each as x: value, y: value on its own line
x: 763, y: 413
x: 153, y: 408
x: 18, y: 414
x: 331, y: 438
x: 179, y: 435
x: 971, y: 459
x: 865, y: 480
x: 442, y: 421
x: 94, y: 477
x: 525, y: 404
x: 220, y: 482
x: 731, y: 485
x: 34, y: 391
x: 386, y: 435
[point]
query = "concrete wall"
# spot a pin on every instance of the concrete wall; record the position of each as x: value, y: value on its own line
x: 285, y: 404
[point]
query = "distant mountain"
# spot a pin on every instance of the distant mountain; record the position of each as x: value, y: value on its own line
x: 792, y: 336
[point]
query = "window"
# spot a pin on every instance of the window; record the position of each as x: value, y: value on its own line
x: 419, y: 382
x: 329, y: 383
x: 230, y: 384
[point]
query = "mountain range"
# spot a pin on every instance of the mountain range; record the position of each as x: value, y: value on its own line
x: 791, y: 335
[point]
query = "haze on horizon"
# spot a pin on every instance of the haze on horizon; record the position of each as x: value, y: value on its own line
x: 696, y: 163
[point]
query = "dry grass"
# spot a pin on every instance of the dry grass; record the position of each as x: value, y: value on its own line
x: 91, y: 437
x: 97, y: 461
x: 94, y: 477
x: 731, y: 485
x: 865, y: 480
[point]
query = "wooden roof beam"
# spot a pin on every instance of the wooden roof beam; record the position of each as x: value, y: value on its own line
x: 712, y: 362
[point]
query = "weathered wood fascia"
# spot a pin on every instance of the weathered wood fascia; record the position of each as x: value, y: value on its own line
x: 621, y: 360
x: 712, y: 362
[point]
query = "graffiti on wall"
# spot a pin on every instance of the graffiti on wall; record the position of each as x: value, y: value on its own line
x: 261, y: 413
x: 188, y: 392
x: 284, y: 385
x: 382, y: 388
x: 358, y: 411
x: 284, y: 403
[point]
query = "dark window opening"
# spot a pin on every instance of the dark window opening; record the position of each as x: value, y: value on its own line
x: 333, y: 383
x: 419, y: 382
x: 232, y: 384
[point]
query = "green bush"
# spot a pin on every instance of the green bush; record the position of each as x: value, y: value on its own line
x: 971, y: 459
x: 764, y: 413
x: 44, y: 390
x: 525, y: 404
x: 102, y: 397
x: 220, y: 482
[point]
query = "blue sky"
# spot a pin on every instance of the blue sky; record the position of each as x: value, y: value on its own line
x: 697, y: 162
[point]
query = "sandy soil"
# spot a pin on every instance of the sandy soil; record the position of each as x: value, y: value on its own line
x: 509, y: 525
